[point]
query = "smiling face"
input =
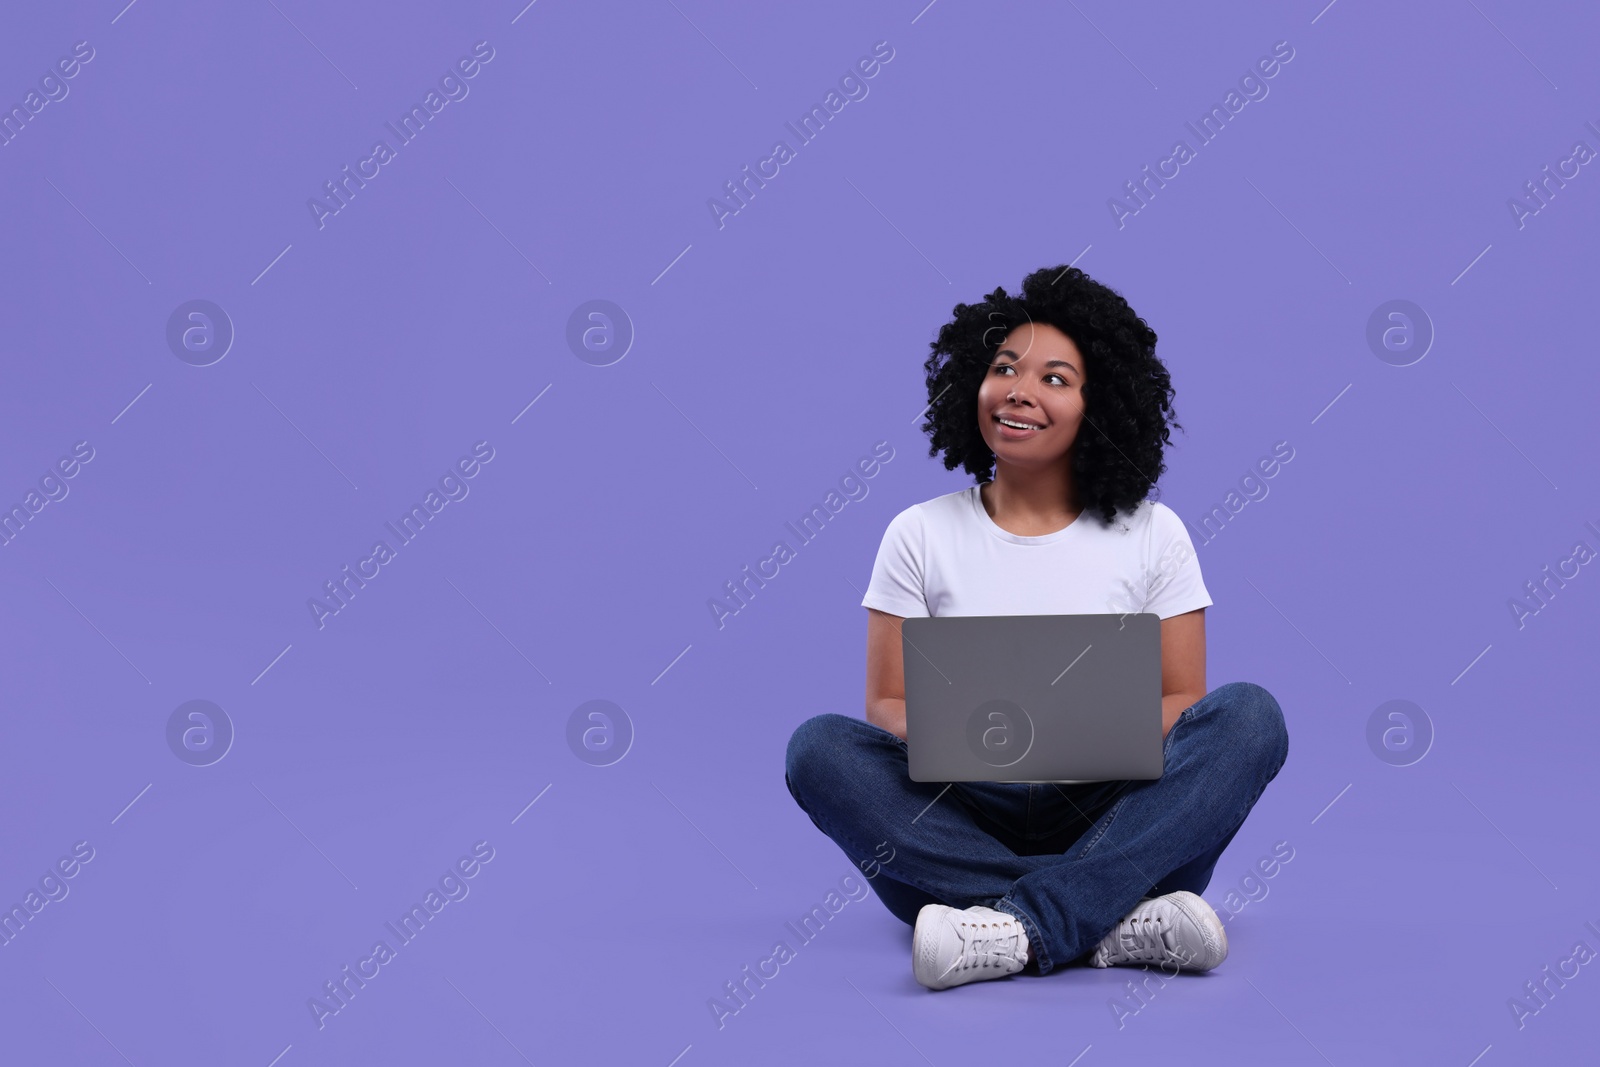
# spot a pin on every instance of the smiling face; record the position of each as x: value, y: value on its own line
x: 1036, y: 378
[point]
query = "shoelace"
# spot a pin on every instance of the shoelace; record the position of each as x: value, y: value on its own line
x: 991, y: 950
x: 1141, y: 939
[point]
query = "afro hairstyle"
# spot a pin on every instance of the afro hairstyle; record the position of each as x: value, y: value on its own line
x: 1117, y: 456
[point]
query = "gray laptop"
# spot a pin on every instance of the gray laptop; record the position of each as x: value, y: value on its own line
x: 1033, y: 698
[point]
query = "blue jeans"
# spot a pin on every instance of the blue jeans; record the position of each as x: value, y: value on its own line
x: 1067, y: 861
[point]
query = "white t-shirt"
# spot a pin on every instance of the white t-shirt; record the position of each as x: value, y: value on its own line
x: 946, y: 556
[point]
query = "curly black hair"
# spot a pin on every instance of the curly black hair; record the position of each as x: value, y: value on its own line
x: 1117, y: 456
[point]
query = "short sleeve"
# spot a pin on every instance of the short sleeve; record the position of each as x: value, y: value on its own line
x: 1176, y: 585
x: 896, y: 586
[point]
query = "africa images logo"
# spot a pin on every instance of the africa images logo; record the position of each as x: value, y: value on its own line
x: 1253, y: 84
x: 452, y: 487
x: 811, y: 525
x: 452, y: 84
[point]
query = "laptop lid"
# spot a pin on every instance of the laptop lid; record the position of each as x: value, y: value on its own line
x: 1033, y: 698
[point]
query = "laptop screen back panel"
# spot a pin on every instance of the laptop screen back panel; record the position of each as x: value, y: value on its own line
x: 1033, y: 698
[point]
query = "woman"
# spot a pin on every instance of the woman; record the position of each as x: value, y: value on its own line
x: 1055, y: 402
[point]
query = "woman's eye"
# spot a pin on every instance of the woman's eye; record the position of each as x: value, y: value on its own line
x: 999, y: 367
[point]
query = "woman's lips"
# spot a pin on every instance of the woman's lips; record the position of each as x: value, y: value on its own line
x: 1011, y: 433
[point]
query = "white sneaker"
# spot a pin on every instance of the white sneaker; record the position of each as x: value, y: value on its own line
x: 956, y: 945
x: 1178, y: 929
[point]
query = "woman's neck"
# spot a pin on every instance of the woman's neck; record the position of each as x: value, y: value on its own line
x: 1031, y: 502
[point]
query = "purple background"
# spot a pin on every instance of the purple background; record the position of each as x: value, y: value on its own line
x: 770, y: 355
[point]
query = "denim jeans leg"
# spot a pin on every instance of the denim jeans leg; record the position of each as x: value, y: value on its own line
x: 852, y: 779
x: 1220, y: 755
x: 903, y: 901
x: 1195, y: 875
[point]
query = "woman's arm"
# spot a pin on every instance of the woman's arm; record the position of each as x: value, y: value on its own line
x: 1183, y: 664
x: 886, y: 679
